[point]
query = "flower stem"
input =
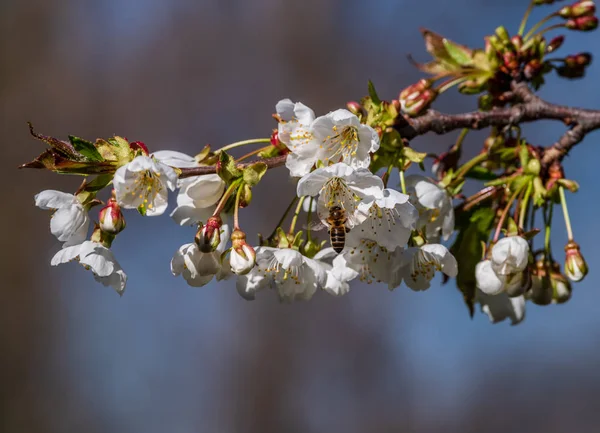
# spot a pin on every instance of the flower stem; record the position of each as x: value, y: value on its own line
x: 283, y: 217
x: 525, y: 205
x: 460, y: 139
x: 563, y: 203
x: 386, y: 175
x: 548, y: 223
x: 309, y: 216
x: 236, y: 221
x: 249, y: 154
x: 538, y: 25
x: 526, y: 17
x: 449, y: 83
x: 505, y: 213
x: 467, y: 166
x: 402, y: 181
x: 243, y: 143
x: 223, y: 200
x: 296, y: 213
x: 547, y: 29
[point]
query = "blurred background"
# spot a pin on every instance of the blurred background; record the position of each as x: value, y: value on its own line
x: 165, y: 357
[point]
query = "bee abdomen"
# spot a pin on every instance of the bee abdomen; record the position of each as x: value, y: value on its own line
x: 338, y: 238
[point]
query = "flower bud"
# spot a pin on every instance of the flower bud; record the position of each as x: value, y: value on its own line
x: 575, y: 266
x: 243, y: 256
x: 417, y: 97
x: 139, y: 146
x: 503, y: 34
x: 355, y: 108
x: 561, y: 287
x: 532, y: 69
x: 579, y: 9
x: 555, y: 43
x: 208, y: 236
x: 111, y: 218
x: 102, y: 237
x: 541, y: 290
x: 517, y: 41
x: 275, y: 141
x: 583, y: 24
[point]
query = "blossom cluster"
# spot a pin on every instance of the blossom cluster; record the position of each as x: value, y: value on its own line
x: 341, y: 163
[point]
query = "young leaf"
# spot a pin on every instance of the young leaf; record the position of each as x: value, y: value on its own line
x: 459, y: 53
x: 253, y: 173
x: 86, y: 148
x: 226, y: 168
x: 373, y: 94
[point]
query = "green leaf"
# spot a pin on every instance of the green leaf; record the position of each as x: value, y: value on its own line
x: 373, y: 94
x: 413, y: 156
x: 459, y: 53
x: 226, y: 168
x: 253, y: 173
x: 481, y: 173
x: 473, y: 232
x: 86, y: 148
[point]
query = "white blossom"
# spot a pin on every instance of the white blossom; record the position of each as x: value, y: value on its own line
x: 196, y: 267
x: 422, y: 263
x: 336, y: 137
x: 292, y: 275
x: 242, y: 259
x: 97, y: 258
x: 510, y: 255
x: 390, y: 221
x: 488, y: 281
x: 341, y: 185
x: 198, y: 195
x: 70, y: 222
x: 434, y: 204
x: 142, y: 184
x: 338, y: 272
x: 500, y: 307
x: 367, y: 260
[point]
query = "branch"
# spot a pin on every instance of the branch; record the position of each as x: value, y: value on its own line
x: 530, y: 109
x: 210, y: 169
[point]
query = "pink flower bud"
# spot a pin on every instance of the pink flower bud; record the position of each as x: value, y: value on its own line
x: 138, y: 145
x: 355, y: 108
x: 208, y: 236
x: 579, y: 9
x: 111, y: 218
x: 243, y: 256
x: 583, y: 24
x: 575, y: 266
x: 555, y: 43
x: 417, y: 97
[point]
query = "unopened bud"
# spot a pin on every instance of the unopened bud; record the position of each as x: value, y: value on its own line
x: 243, y: 256
x: 355, y: 108
x: 575, y: 266
x: 532, y: 69
x: 510, y: 60
x: 102, y: 237
x: 111, y: 218
x: 579, y: 9
x: 555, y: 43
x: 517, y: 41
x: 503, y: 34
x: 417, y: 97
x: 534, y: 166
x: 541, y: 287
x: 582, y: 24
x: 246, y: 196
x: 208, y: 236
x: 561, y: 287
x: 139, y: 146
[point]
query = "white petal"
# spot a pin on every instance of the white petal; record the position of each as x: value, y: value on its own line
x: 487, y: 280
x: 51, y: 199
x: 189, y: 215
x: 500, y: 307
x: 175, y: 159
x: 288, y: 257
x: 99, y: 258
x: 510, y: 255
x: 69, y: 223
x: 445, y: 257
x: 203, y: 191
x: 66, y: 255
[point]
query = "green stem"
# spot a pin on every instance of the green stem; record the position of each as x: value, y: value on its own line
x: 283, y: 217
x: 547, y: 29
x: 448, y: 84
x: 526, y: 17
x: 386, y: 175
x: 548, y: 223
x: 243, y: 143
x: 563, y: 203
x: 296, y: 213
x: 402, y: 181
x: 525, y: 205
x: 460, y: 139
x: 236, y: 221
x: 505, y: 213
x: 309, y: 216
x: 538, y: 25
x: 467, y: 166
x: 223, y: 200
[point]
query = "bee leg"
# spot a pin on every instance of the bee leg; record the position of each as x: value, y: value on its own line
x: 347, y: 229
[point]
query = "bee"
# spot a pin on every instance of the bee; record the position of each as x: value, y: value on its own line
x: 337, y: 228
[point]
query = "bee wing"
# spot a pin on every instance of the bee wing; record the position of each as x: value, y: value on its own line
x: 315, y: 226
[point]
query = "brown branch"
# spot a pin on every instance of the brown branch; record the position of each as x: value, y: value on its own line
x: 199, y: 171
x: 529, y: 109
